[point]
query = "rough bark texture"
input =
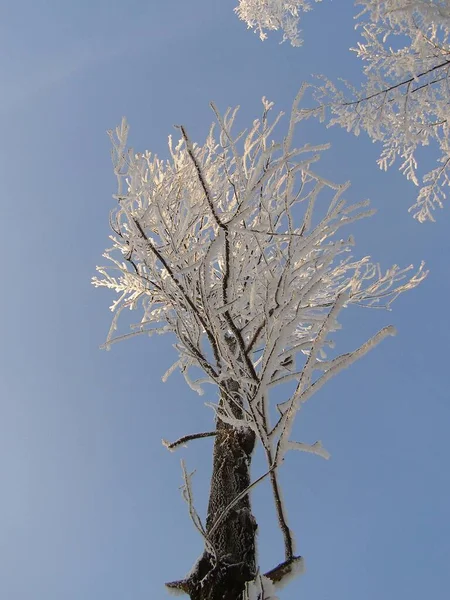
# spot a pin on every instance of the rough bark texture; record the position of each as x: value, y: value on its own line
x: 223, y: 576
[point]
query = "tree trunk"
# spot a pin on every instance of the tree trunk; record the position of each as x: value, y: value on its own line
x: 222, y: 575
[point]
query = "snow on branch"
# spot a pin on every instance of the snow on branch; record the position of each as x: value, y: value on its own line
x: 272, y: 15
x: 403, y: 101
x: 260, y: 588
x: 316, y: 448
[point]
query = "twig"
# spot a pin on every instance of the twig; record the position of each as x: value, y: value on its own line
x: 195, y: 517
x: 287, y: 534
x: 187, y: 438
x: 397, y: 85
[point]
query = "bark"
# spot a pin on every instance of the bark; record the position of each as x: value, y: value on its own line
x: 222, y: 575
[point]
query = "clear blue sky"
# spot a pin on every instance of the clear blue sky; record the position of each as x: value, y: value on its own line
x: 89, y: 504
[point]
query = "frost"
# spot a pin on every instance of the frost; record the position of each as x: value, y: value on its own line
x: 403, y: 102
x: 272, y: 15
x: 316, y: 448
x: 174, y: 591
x: 260, y: 588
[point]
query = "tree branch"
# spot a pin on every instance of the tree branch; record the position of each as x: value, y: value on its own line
x: 397, y: 85
x: 187, y: 438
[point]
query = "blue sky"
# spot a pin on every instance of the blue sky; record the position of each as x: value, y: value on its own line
x: 90, y: 506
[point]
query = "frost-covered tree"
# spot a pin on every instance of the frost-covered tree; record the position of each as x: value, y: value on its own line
x: 404, y: 101
x: 270, y: 15
x: 235, y: 246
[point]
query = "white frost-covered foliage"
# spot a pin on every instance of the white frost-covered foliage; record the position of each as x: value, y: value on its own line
x: 260, y: 588
x: 220, y: 245
x: 269, y: 15
x: 404, y: 100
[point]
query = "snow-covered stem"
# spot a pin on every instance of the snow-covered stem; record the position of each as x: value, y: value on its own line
x: 188, y: 497
x: 315, y: 448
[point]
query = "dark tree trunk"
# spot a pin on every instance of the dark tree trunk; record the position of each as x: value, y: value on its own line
x: 222, y: 575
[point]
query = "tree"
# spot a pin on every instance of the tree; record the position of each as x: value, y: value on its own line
x: 230, y: 247
x: 403, y: 101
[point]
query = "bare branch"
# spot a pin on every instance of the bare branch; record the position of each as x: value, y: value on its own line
x: 187, y: 438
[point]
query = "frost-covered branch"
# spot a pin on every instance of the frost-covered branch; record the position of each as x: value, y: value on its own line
x: 315, y: 448
x: 188, y: 497
x: 404, y: 100
x: 273, y: 15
